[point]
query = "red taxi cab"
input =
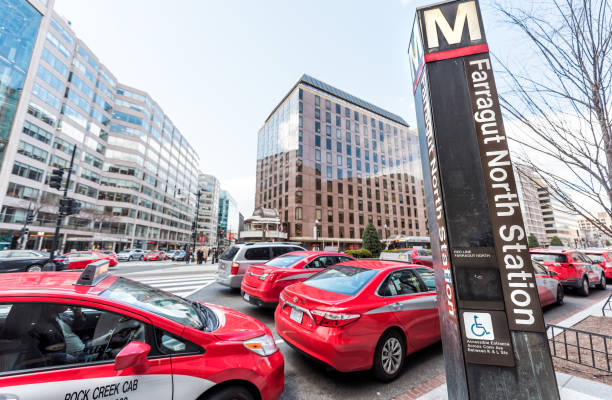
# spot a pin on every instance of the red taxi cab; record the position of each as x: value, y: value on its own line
x: 550, y: 289
x: 155, y: 256
x: 263, y: 283
x: 361, y: 315
x: 603, y: 258
x: 573, y: 268
x: 98, y: 336
x: 420, y: 256
x: 81, y: 259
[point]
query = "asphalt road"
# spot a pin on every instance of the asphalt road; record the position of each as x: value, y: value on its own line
x: 306, y: 379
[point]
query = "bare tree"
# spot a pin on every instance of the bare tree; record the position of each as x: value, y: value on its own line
x: 562, y: 108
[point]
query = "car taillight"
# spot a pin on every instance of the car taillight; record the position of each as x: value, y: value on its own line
x: 235, y: 267
x: 270, y: 277
x: 333, y: 320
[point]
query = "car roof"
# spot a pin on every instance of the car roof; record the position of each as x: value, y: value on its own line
x: 549, y: 251
x: 50, y: 283
x: 378, y: 264
x: 315, y: 253
x: 266, y: 244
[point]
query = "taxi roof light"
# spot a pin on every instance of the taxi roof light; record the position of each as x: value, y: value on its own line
x: 93, y: 273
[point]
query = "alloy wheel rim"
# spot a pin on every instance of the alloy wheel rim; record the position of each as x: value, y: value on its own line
x: 391, y: 355
x: 35, y: 269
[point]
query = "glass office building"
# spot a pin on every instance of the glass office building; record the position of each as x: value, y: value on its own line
x: 135, y: 173
x: 331, y: 162
x: 208, y: 213
x: 229, y: 220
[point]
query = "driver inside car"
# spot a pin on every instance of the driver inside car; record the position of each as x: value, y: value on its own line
x: 55, y: 334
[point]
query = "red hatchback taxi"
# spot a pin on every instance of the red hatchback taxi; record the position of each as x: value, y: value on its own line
x: 263, y: 283
x: 98, y: 336
x: 361, y: 315
x: 155, y: 256
x: 81, y: 259
x: 573, y: 269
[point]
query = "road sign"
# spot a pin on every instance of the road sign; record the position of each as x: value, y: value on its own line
x: 491, y: 319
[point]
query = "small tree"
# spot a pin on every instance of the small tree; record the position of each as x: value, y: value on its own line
x: 370, y: 240
x: 555, y: 241
x: 607, y: 242
x: 532, y: 241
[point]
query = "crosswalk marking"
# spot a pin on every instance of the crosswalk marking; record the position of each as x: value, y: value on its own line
x: 181, y: 285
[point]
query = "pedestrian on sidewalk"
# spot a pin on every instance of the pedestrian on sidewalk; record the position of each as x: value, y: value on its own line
x: 187, y: 257
x: 200, y: 255
x: 206, y: 255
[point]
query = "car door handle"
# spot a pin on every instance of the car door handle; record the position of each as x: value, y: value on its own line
x: 395, y: 305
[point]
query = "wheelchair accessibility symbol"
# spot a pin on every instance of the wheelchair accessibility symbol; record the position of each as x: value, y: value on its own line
x: 478, y: 326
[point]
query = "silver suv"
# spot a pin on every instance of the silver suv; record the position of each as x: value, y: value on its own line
x: 130, y: 254
x: 235, y: 260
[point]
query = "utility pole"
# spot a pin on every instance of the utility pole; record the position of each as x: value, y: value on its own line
x: 25, y: 231
x: 194, y: 234
x: 493, y: 332
x: 63, y: 210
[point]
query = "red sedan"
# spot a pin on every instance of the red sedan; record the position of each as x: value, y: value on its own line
x: 420, y: 256
x: 155, y: 256
x: 550, y: 289
x: 603, y: 258
x: 99, y: 336
x: 361, y: 315
x: 263, y: 283
x: 81, y: 259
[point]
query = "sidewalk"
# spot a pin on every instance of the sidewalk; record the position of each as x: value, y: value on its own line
x: 570, y: 387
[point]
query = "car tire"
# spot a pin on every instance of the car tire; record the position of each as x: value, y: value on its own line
x: 230, y: 393
x: 560, y: 295
x: 602, y: 283
x: 34, y: 268
x: 389, y: 356
x: 583, y: 289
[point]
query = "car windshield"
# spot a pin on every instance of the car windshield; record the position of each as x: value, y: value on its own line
x: 549, y: 257
x: 598, y: 258
x: 284, y: 261
x: 343, y: 279
x: 228, y: 254
x: 154, y: 300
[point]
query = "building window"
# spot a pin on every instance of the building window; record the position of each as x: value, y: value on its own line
x: 338, y: 119
x: 328, y: 130
x: 330, y: 216
x: 318, y: 184
x: 298, y: 181
x: 298, y: 197
x: 318, y: 199
x: 298, y: 213
x: 339, y: 147
x: 318, y: 143
x: 329, y: 172
x: 328, y: 144
x: 298, y: 229
x: 317, y: 127
x: 317, y: 155
x: 317, y: 100
x: 317, y: 113
x: 318, y: 214
x: 27, y: 171
x: 330, y: 231
x: 339, y: 160
x: 330, y: 201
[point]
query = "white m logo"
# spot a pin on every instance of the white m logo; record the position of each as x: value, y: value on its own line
x: 465, y: 11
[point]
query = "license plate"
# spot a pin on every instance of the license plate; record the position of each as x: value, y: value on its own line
x: 246, y: 296
x: 296, y: 315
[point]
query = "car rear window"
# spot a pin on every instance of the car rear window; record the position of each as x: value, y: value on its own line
x: 229, y: 253
x: 343, y: 279
x: 280, y: 250
x: 549, y: 257
x: 257, y: 253
x: 284, y: 261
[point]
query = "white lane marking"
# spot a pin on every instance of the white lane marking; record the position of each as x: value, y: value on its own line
x: 175, y: 288
x: 200, y: 288
x: 182, y: 279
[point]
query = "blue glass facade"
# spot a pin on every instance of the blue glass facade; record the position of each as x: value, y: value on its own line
x: 19, y: 23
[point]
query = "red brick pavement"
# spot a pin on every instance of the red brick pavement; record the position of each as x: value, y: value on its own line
x: 423, y: 388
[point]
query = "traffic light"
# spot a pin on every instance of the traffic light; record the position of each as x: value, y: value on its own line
x: 24, y: 232
x: 29, y: 218
x: 56, y: 178
x: 194, y: 235
x: 193, y: 226
x: 69, y: 206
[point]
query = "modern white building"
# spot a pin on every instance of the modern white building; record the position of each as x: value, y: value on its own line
x: 228, y: 229
x: 134, y: 172
x: 592, y: 236
x: 558, y: 220
x: 530, y: 203
x: 208, y: 213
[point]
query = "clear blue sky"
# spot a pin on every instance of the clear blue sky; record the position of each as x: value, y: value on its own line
x: 219, y: 67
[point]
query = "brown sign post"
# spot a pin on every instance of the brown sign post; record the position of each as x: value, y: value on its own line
x: 493, y: 332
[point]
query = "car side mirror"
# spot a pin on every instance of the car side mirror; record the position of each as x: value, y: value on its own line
x: 134, y: 355
x: 552, y: 273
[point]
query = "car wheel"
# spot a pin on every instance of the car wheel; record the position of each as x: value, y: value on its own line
x: 34, y: 268
x: 230, y: 393
x: 560, y: 295
x: 389, y: 356
x: 602, y: 283
x: 583, y: 290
